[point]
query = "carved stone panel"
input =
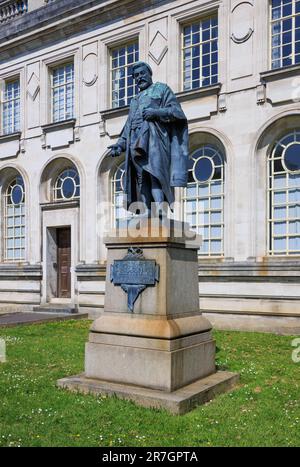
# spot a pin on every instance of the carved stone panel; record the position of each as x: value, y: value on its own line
x: 10, y: 146
x: 90, y: 75
x: 33, y: 95
x: 33, y: 86
x: 241, y: 43
x: 158, y: 48
x: 90, y: 79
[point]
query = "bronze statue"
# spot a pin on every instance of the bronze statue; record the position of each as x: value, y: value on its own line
x: 155, y: 139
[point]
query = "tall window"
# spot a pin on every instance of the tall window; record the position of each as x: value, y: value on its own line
x: 204, y: 199
x: 123, y: 86
x: 285, y: 31
x: 11, y: 107
x: 118, y: 211
x: 62, y: 92
x: 14, y: 221
x: 200, y: 53
x: 284, y: 196
x: 67, y: 186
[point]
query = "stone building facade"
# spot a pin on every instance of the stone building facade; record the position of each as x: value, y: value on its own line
x: 65, y: 88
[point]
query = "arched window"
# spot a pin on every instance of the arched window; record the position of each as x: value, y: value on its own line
x: 67, y: 186
x: 14, y: 220
x: 118, y: 211
x: 284, y: 196
x: 204, y: 198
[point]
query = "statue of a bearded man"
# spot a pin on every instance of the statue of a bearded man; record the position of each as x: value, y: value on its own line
x: 155, y: 140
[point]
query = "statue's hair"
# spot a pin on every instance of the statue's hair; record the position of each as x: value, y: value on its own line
x: 139, y: 64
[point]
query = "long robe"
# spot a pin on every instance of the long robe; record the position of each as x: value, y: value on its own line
x: 158, y: 147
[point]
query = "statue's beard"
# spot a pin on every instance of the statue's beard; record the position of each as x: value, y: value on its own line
x: 143, y: 85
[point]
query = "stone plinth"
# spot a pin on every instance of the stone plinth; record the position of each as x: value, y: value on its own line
x: 165, y: 344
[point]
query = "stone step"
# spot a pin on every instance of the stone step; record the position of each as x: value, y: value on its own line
x: 55, y: 309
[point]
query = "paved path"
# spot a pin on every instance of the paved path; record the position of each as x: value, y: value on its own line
x: 23, y: 318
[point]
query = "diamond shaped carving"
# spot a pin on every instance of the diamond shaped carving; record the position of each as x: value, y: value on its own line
x: 158, y: 48
x: 33, y: 86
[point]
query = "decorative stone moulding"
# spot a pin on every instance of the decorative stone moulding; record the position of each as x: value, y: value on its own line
x: 222, y: 104
x: 10, y: 145
x: 102, y: 128
x: 158, y: 48
x: 244, y: 38
x: 112, y: 121
x: 242, y: 22
x: 60, y: 135
x: 90, y: 69
x: 33, y: 86
x: 200, y: 103
x: 261, y: 94
x: 281, y: 85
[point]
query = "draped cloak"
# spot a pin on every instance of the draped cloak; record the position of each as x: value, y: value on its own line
x: 157, y: 147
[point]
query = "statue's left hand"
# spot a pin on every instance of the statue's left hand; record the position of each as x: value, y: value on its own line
x: 150, y: 114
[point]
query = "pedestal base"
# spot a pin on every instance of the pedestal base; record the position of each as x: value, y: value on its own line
x: 162, y: 353
x: 177, y: 402
x: 151, y: 352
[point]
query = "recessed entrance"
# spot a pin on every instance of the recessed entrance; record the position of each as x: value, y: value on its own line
x: 64, y: 262
x: 60, y: 253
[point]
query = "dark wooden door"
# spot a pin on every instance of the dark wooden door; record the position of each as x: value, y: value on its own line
x: 64, y: 262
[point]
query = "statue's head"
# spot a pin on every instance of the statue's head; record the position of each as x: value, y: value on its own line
x: 142, y: 74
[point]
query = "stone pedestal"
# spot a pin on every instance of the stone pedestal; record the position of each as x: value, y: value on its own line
x: 162, y: 354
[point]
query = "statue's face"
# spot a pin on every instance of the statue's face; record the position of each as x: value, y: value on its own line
x: 143, y: 77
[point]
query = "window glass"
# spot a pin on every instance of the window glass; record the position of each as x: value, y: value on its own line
x: 11, y: 107
x: 14, y: 221
x: 285, y: 31
x: 67, y: 186
x: 63, y: 92
x: 123, y: 85
x: 203, y: 200
x: 284, y: 196
x: 200, y: 53
x: 118, y: 211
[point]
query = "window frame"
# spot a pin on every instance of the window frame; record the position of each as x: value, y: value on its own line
x: 55, y: 188
x: 124, y: 43
x: 271, y: 21
x: 114, y: 192
x: 47, y: 65
x: 5, y: 225
x: 205, y: 15
x: 16, y: 75
x: 271, y: 189
x: 222, y: 195
x: 13, y: 129
x: 52, y: 68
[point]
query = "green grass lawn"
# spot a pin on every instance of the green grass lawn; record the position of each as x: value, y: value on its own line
x: 264, y: 410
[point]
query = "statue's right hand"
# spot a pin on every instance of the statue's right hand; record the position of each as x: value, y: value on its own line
x: 115, y: 150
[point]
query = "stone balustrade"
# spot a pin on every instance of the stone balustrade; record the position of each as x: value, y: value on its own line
x: 10, y: 9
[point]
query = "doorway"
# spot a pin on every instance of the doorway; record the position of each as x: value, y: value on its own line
x: 63, y: 262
